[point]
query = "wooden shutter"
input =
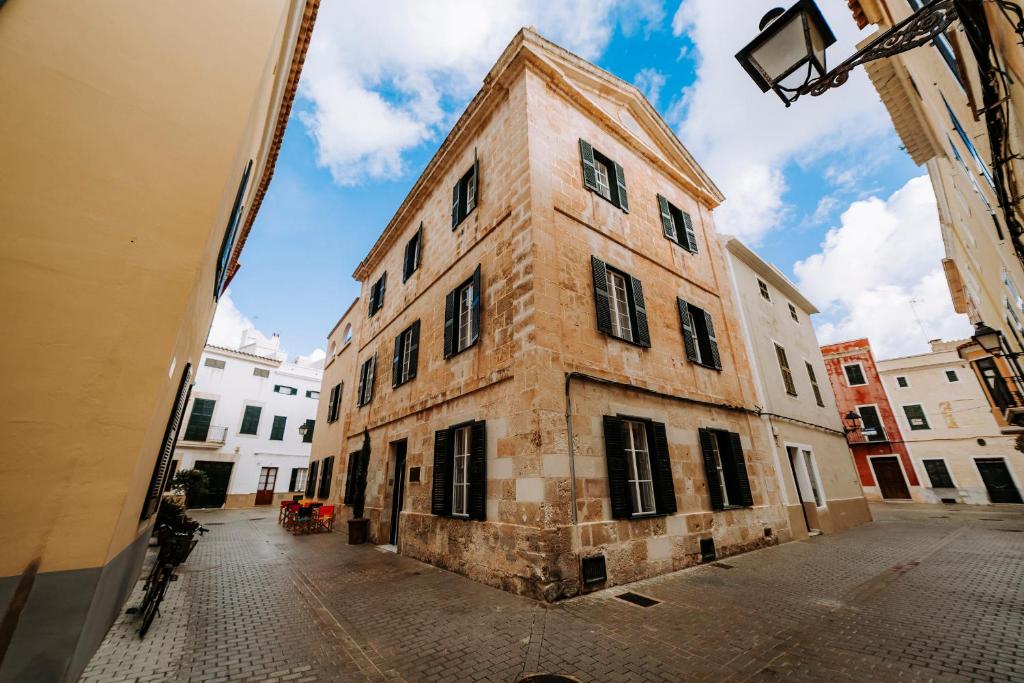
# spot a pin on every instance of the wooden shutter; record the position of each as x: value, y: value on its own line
x: 362, y: 383
x: 325, y: 478
x: 618, y: 468
x: 716, y: 358
x: 414, y: 349
x: 689, y: 341
x: 787, y: 374
x: 291, y: 480
x: 740, y: 471
x: 449, y: 323
x: 599, y: 272
x: 396, y: 362
x: 620, y: 180
x: 154, y: 492
x: 441, y: 490
x: 476, y: 506
x: 311, y: 478
x: 371, y: 374
x: 350, y: 476
x: 691, y: 236
x: 455, y: 203
x: 667, y: 224
x: 198, y: 427
x: 407, y: 260
x: 662, y: 468
x: 707, y: 447
x: 643, y: 334
x: 589, y: 170
x: 476, y: 180
x: 475, y: 321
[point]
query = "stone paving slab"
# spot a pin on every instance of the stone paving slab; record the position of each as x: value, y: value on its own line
x: 925, y: 593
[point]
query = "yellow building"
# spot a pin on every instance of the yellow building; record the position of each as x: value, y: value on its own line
x: 137, y: 141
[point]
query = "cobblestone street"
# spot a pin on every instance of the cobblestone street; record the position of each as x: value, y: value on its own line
x: 923, y: 593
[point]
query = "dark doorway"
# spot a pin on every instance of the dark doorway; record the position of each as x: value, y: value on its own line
x: 265, y: 488
x: 889, y: 476
x: 397, y: 490
x: 998, y: 481
x: 219, y: 474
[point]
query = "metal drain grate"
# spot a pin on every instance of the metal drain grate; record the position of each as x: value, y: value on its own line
x: 722, y: 565
x: 638, y: 599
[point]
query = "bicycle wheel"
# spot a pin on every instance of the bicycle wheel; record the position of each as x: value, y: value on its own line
x: 160, y: 586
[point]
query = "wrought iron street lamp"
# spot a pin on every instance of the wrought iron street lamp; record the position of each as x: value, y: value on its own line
x: 304, y: 429
x: 988, y: 339
x: 851, y: 422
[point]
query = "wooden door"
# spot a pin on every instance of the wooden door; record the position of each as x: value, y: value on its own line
x: 265, y: 488
x: 998, y: 481
x: 397, y: 491
x: 219, y: 474
x: 889, y: 476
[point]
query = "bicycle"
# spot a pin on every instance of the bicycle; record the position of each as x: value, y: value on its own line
x: 175, y: 548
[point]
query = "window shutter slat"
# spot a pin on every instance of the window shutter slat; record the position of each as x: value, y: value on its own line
x: 350, y: 476
x: 362, y: 384
x: 441, y: 499
x: 476, y: 182
x: 477, y: 503
x: 325, y: 478
x: 662, y: 466
x: 667, y: 224
x: 455, y: 204
x: 618, y: 476
x: 396, y: 361
x: 707, y: 447
x: 620, y: 179
x: 449, y: 324
x: 414, y: 349
x: 691, y: 236
x: 407, y: 260
x: 589, y: 171
x: 643, y: 334
x: 371, y: 375
x: 740, y: 465
x: 311, y: 478
x: 604, y: 314
x: 475, y: 331
x: 716, y: 358
x: 689, y: 342
x: 154, y: 493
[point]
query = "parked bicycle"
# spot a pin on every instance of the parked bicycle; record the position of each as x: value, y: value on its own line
x: 175, y: 547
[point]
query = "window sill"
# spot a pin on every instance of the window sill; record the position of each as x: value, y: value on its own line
x: 607, y: 199
x: 631, y: 342
x: 705, y: 365
x: 463, y: 350
x: 726, y: 508
x: 647, y: 515
x: 461, y: 221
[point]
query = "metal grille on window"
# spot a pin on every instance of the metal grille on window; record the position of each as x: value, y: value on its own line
x: 621, y: 325
x: 460, y: 492
x: 641, y: 483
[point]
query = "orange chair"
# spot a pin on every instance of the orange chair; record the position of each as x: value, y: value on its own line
x: 324, y: 518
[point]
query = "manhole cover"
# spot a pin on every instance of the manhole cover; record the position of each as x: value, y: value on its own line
x: 638, y: 599
x: 722, y: 565
x: 547, y: 678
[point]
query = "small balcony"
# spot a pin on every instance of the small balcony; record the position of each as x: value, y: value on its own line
x: 211, y: 437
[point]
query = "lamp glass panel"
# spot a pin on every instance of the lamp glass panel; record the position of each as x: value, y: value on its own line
x: 785, y: 48
x: 817, y: 42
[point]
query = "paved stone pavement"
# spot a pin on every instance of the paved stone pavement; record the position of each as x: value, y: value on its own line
x: 923, y: 593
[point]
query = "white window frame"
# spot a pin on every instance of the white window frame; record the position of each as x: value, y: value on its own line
x: 619, y: 306
x: 906, y: 418
x: 881, y: 422
x: 464, y: 318
x: 698, y: 354
x: 638, y: 456
x: 603, y: 175
x: 460, y: 471
x: 762, y: 287
x: 406, y: 366
x: 955, y: 374
x: 811, y: 475
x: 300, y: 478
x: 862, y: 374
x: 716, y: 452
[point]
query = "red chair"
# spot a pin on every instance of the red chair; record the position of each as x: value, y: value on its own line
x: 288, y: 513
x: 284, y: 509
x: 324, y: 518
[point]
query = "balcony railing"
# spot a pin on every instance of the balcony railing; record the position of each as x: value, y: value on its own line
x: 212, y: 437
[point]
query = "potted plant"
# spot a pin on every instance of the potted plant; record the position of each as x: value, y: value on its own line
x: 193, y: 484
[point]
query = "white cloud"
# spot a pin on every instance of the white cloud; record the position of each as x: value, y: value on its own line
x: 745, y: 138
x: 315, y: 359
x: 880, y: 271
x: 384, y: 78
x: 229, y: 323
x: 650, y: 81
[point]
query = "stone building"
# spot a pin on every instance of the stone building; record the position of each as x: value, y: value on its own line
x: 962, y: 450
x: 817, y: 477
x: 883, y: 462
x: 548, y: 359
x: 137, y: 141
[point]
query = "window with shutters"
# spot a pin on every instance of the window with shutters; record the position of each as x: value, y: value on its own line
x: 603, y: 176
x: 377, y: 294
x: 298, y: 479
x: 814, y: 384
x: 699, y: 340
x: 326, y: 473
x: 250, y: 420
x: 762, y: 286
x: 261, y: 372
x: 154, y: 492
x: 412, y: 255
x: 787, y: 373
x: 227, y: 245
x: 287, y: 391
x: 367, y: 373
x: 461, y: 317
x: 677, y: 225
x: 465, y: 194
x: 725, y: 469
x: 951, y: 376
x: 916, y: 418
x: 871, y: 420
x: 639, y: 470
x: 938, y: 473
x: 198, y: 426
x: 334, y: 403
x: 459, y: 487
x: 855, y: 374
x: 793, y: 314
x: 277, y: 429
x: 350, y: 476
x: 902, y: 382
x: 312, y: 394
x: 310, y: 490
x: 214, y: 363
x: 621, y: 311
x: 406, y: 358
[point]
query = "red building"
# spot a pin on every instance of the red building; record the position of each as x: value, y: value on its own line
x: 883, y: 462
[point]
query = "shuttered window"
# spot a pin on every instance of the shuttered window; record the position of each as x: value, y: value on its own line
x: 814, y: 384
x: 326, y: 473
x: 854, y: 374
x: 872, y: 429
x: 154, y: 492
x: 603, y: 176
x: 350, y: 476
x: 311, y: 480
x: 951, y: 376
x: 277, y: 429
x: 639, y: 470
x: 699, y: 340
x: 298, y: 479
x: 214, y: 363
x: 725, y: 469
x: 227, y: 245
x: 250, y: 420
x: 459, y: 487
x: 310, y: 426
x: 462, y: 316
x: 286, y: 390
x: 466, y: 193
x: 377, y: 294
x: 367, y: 373
x: 787, y: 373
x: 334, y: 403
x: 619, y: 298
x: 412, y: 255
x: 916, y: 417
x: 406, y: 356
x: 902, y: 382
x: 938, y: 474
x: 677, y: 225
x: 198, y: 427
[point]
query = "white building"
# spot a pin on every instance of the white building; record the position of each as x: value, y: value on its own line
x: 243, y: 423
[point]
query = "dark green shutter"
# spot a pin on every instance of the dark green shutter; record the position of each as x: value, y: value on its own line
x: 455, y: 203
x: 643, y: 334
x: 599, y: 272
x: 689, y: 342
x: 350, y: 476
x: 740, y: 471
x: 325, y: 477
x: 475, y: 319
x: 311, y: 478
x: 691, y: 236
x: 362, y: 383
x: 396, y: 362
x: 476, y: 180
x: 198, y: 427
x: 441, y: 490
x: 371, y: 376
x: 589, y: 171
x: 620, y: 180
x: 476, y: 506
x: 251, y: 420
x: 662, y: 468
x: 310, y: 428
x: 716, y: 358
x: 154, y: 493
x: 407, y: 260
x: 618, y: 468
x: 667, y: 224
x: 294, y: 477
x: 277, y: 429
x: 414, y: 349
x: 707, y: 447
x: 449, y: 323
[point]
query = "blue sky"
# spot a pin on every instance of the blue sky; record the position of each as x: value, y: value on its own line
x: 821, y: 189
